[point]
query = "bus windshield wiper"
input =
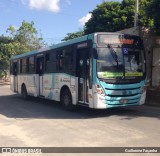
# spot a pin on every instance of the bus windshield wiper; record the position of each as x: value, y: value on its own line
x: 113, y: 53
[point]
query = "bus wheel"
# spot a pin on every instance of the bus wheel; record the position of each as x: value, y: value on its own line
x: 66, y: 100
x: 24, y: 92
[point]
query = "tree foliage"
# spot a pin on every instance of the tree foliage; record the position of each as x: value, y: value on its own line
x: 144, y: 20
x: 5, y: 51
x: 111, y: 17
x: 27, y: 37
x: 152, y: 11
x: 115, y: 16
x: 24, y: 39
x: 73, y: 35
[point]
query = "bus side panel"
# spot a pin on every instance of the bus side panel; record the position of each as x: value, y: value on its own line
x: 36, y: 83
x: 12, y: 82
x: 72, y: 83
x: 53, y: 83
x: 48, y: 86
x: 90, y: 97
x: 31, y: 82
x: 74, y: 89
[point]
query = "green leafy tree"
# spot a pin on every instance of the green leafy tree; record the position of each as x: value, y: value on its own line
x: 111, y: 17
x: 5, y: 54
x: 24, y: 39
x: 70, y: 36
x: 27, y: 37
x: 144, y: 20
x: 152, y: 11
x: 116, y: 16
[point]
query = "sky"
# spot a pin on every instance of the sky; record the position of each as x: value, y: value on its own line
x: 52, y: 18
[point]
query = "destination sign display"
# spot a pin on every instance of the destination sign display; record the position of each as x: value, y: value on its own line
x: 117, y: 39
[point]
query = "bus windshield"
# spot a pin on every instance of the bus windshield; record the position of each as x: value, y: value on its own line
x: 115, y: 61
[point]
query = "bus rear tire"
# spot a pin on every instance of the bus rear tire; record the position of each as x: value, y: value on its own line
x: 24, y: 92
x: 66, y: 100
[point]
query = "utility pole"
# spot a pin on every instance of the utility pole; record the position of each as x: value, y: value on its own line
x: 136, y: 13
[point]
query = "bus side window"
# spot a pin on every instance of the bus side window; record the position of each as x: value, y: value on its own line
x: 32, y: 64
x: 59, y: 61
x: 24, y: 65
x: 61, y: 56
x: 53, y: 61
x: 20, y: 69
x: 64, y: 60
x: 27, y: 65
x: 47, y: 61
x: 15, y: 68
x: 68, y: 60
x: 40, y: 65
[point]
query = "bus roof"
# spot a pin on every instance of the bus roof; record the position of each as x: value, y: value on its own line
x: 72, y: 41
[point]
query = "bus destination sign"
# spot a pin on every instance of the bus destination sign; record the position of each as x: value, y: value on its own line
x: 114, y: 39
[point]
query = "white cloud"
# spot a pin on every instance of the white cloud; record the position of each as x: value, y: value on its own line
x: 85, y: 19
x: 50, y: 5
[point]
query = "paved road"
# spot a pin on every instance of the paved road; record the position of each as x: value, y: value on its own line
x: 38, y: 122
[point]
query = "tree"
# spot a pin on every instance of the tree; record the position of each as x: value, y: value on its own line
x: 5, y: 54
x: 27, y: 37
x: 144, y: 20
x: 152, y: 11
x: 111, y: 17
x: 116, y: 16
x: 22, y: 40
x: 73, y: 35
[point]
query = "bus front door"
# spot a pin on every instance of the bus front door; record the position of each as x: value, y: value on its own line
x: 40, y: 71
x: 83, y: 75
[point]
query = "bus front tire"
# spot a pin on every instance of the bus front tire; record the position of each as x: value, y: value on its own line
x: 24, y: 92
x: 66, y: 100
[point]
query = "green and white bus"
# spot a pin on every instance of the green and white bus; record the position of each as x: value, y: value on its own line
x: 99, y: 70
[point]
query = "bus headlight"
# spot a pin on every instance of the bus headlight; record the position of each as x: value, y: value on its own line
x: 143, y: 89
x: 99, y: 90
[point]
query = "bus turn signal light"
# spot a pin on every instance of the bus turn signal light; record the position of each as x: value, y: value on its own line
x: 100, y: 90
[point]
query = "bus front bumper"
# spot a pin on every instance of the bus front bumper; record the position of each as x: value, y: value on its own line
x: 103, y: 102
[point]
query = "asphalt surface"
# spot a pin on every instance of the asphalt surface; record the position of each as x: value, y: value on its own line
x: 44, y: 123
